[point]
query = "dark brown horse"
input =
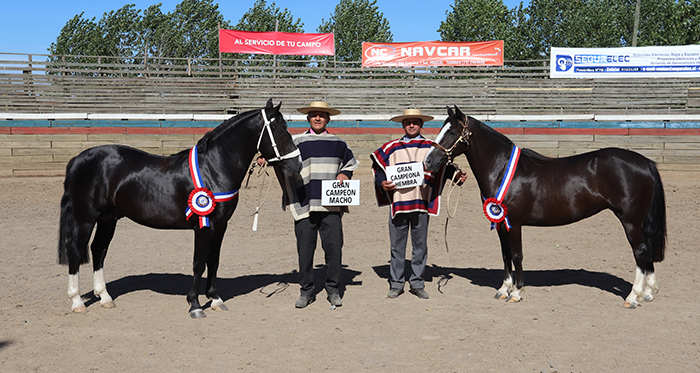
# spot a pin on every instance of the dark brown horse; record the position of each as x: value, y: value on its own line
x: 525, y: 188
x: 195, y: 189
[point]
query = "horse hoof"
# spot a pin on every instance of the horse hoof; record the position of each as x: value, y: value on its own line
x: 631, y: 305
x: 500, y: 296
x: 80, y: 309
x: 109, y: 304
x: 219, y: 307
x: 513, y: 300
x: 648, y: 298
x: 197, y: 314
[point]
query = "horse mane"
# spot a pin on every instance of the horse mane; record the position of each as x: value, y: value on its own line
x: 223, y: 127
x: 532, y: 155
x: 175, y: 160
x: 501, y: 138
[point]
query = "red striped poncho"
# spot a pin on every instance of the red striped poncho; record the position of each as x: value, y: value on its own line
x: 424, y: 198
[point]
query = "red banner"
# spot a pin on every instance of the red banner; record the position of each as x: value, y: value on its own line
x: 433, y: 53
x: 233, y: 41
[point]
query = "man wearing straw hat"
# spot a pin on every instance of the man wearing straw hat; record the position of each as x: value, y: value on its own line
x: 324, y: 157
x: 411, y: 204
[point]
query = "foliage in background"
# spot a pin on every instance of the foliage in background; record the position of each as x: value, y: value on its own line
x: 261, y: 18
x: 127, y: 35
x: 354, y: 22
x: 189, y: 31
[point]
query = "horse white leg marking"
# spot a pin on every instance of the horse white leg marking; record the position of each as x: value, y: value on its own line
x: 650, y: 287
x: 505, y: 289
x: 632, y: 300
x: 100, y: 289
x: 74, y: 294
x: 218, y: 305
x: 514, y: 296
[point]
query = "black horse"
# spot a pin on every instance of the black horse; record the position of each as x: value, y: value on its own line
x: 194, y: 189
x: 525, y: 188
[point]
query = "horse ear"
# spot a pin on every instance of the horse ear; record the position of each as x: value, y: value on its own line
x: 459, y: 112
x: 269, y: 104
x: 450, y: 112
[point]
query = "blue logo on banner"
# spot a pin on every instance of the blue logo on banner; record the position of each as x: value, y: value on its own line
x: 564, y: 63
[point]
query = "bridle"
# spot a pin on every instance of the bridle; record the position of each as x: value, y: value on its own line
x: 463, y: 138
x: 278, y: 157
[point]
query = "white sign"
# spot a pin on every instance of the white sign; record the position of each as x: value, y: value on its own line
x: 406, y: 175
x: 336, y: 193
x: 667, y: 61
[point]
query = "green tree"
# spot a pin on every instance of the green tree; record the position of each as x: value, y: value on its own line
x: 190, y: 31
x: 195, y: 29
x: 354, y: 22
x: 119, y: 35
x: 79, y: 36
x: 155, y: 32
x: 264, y: 18
x: 477, y: 20
x: 520, y: 44
x: 578, y: 23
x: 690, y: 20
x: 669, y: 22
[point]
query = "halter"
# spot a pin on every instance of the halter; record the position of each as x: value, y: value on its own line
x: 278, y: 157
x: 463, y: 137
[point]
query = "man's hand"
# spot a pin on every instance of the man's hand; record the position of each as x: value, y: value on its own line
x: 342, y: 177
x: 388, y: 186
x: 462, y: 177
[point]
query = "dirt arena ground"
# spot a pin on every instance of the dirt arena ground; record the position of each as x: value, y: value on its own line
x: 571, y: 318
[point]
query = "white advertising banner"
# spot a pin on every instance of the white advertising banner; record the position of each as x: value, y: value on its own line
x: 652, y: 62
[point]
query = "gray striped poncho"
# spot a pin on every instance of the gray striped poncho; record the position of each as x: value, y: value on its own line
x: 324, y: 156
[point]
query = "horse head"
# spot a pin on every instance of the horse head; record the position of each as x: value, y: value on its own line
x: 275, y: 142
x: 452, y: 141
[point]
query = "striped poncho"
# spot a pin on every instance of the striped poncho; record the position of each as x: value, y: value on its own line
x: 324, y: 156
x: 424, y: 198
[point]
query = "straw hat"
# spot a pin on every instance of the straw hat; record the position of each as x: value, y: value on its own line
x: 412, y: 113
x: 319, y: 106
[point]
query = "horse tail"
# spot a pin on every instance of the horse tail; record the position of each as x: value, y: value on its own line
x: 68, y: 250
x: 654, y: 225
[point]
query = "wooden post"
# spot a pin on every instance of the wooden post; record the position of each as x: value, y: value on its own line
x: 221, y: 67
x: 636, y: 23
x: 274, y: 56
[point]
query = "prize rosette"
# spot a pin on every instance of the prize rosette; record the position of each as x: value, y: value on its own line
x: 495, y: 211
x: 201, y: 201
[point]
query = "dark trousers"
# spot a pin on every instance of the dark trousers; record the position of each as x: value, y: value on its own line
x: 329, y: 226
x: 399, y: 226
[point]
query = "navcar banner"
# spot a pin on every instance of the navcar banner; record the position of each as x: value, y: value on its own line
x: 233, y: 41
x: 668, y: 61
x: 433, y: 53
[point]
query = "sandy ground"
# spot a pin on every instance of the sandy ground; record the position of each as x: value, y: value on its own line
x: 571, y: 318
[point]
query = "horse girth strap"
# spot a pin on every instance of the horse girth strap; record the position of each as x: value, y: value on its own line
x: 266, y: 126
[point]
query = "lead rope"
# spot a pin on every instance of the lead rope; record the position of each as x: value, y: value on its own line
x: 447, y: 203
x: 261, y: 201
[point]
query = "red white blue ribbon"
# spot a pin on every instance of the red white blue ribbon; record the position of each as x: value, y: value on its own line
x: 202, y: 201
x: 494, y: 209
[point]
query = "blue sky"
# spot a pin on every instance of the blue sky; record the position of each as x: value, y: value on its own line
x: 31, y: 27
